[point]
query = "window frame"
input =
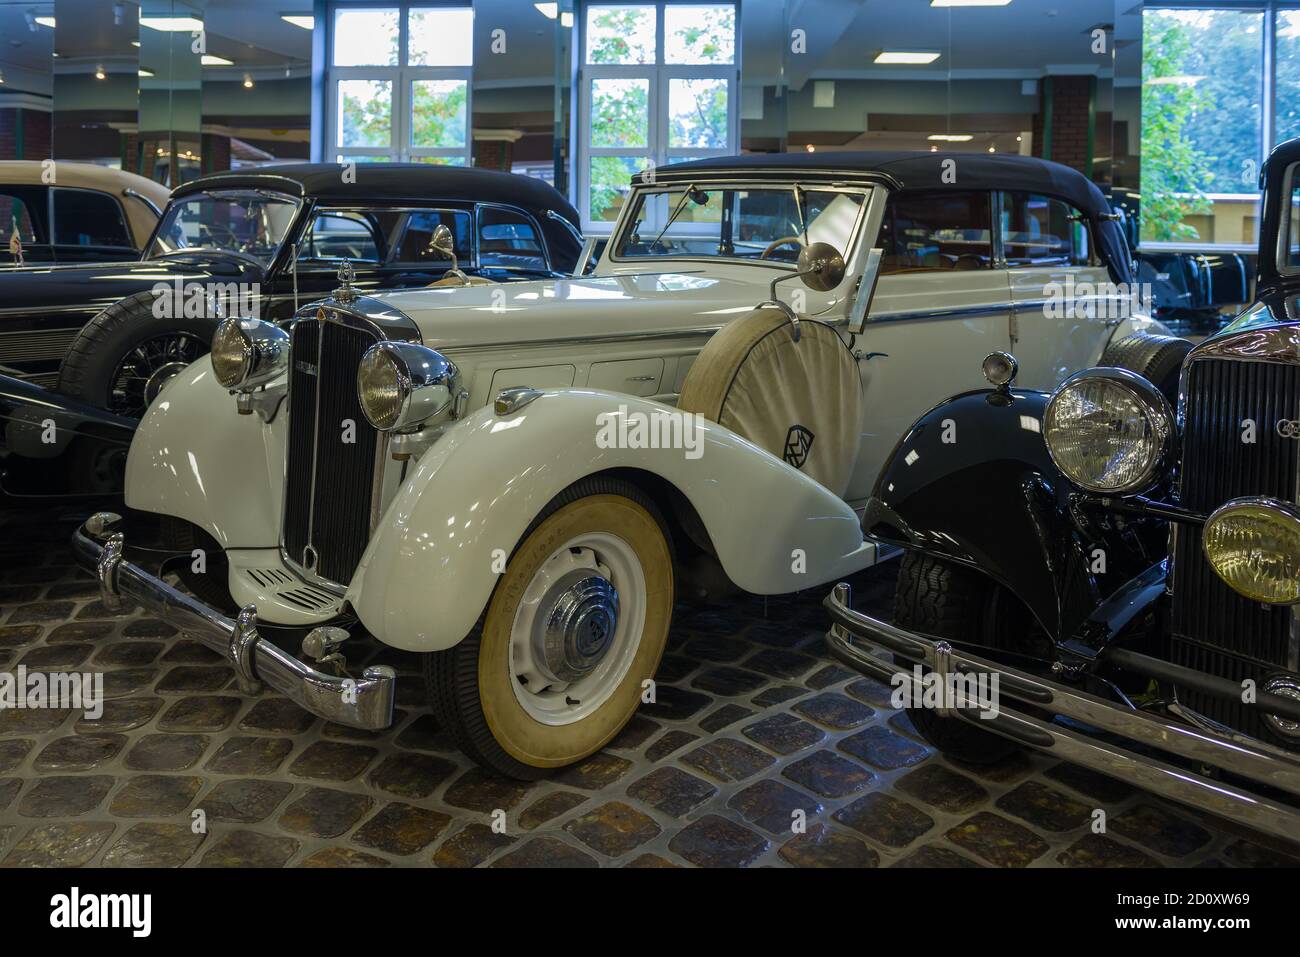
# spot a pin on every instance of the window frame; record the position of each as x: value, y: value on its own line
x: 54, y: 224
x: 659, y: 76
x: 1002, y: 196
x: 401, y: 78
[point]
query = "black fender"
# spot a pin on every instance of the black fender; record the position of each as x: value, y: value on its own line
x: 54, y: 448
x: 972, y: 482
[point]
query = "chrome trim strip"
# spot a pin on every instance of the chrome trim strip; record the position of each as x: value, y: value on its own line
x: 1253, y: 760
x: 136, y: 194
x: 365, y: 702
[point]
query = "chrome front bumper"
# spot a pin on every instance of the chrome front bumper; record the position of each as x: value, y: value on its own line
x: 854, y: 636
x: 365, y: 702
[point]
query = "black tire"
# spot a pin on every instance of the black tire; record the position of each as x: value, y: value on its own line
x: 112, y: 362
x: 211, y: 586
x: 948, y: 601
x: 1159, y: 359
x: 451, y: 676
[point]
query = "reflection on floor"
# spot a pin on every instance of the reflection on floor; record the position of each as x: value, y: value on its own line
x: 754, y: 731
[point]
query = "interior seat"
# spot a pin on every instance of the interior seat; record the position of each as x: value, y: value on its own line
x: 800, y: 401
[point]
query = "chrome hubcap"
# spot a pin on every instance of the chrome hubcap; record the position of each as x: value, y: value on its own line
x: 577, y: 628
x: 570, y: 640
x: 160, y: 377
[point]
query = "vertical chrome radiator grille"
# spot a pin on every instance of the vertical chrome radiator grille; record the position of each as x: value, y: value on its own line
x: 1215, y: 629
x: 330, y: 481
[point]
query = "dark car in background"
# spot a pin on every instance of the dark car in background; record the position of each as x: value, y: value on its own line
x: 1193, y: 292
x: 1127, y: 571
x: 56, y: 212
x: 111, y: 334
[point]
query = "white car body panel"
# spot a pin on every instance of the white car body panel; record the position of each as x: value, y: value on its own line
x: 431, y: 566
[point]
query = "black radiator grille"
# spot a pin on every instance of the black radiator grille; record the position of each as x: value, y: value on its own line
x: 330, y: 480
x: 1215, y: 629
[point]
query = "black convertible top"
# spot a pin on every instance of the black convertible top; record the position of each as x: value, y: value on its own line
x: 413, y: 182
x: 924, y: 170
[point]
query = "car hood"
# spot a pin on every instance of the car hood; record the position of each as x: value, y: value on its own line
x: 100, y: 284
x: 517, y: 313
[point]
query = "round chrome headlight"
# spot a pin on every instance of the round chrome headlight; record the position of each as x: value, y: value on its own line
x: 232, y: 354
x: 247, y: 353
x: 1253, y: 544
x: 1108, y: 430
x: 401, y: 385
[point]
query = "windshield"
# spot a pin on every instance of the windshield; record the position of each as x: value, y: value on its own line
x: 249, y: 222
x: 737, y: 222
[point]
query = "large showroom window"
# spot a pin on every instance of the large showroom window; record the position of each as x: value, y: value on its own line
x: 658, y: 86
x: 1220, y: 88
x: 399, y: 83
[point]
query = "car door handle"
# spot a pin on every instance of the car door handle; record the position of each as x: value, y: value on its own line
x: 860, y: 355
x: 642, y: 378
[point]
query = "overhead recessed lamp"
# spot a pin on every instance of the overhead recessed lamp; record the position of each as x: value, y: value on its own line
x: 172, y: 24
x: 992, y: 149
x: 969, y: 3
x: 143, y: 72
x: 934, y: 149
x: 304, y: 20
x: 248, y: 82
x: 552, y: 10
x: 1180, y: 80
x: 951, y: 137
x: 44, y: 21
x: 136, y: 44
x: 2, y: 77
x: 907, y: 57
x: 811, y: 148
x: 211, y: 59
x: 99, y: 73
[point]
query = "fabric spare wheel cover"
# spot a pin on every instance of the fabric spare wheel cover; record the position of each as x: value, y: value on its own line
x: 801, y: 401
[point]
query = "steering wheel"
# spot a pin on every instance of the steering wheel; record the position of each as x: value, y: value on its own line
x: 773, y: 247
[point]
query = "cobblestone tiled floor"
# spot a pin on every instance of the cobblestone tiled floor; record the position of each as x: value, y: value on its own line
x: 753, y: 723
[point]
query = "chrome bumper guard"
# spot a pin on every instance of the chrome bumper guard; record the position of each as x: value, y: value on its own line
x: 365, y: 702
x: 854, y: 637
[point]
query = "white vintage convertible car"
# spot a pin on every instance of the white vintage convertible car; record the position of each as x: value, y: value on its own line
x: 518, y: 480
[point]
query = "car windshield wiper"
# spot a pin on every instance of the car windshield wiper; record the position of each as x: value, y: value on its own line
x: 693, y: 193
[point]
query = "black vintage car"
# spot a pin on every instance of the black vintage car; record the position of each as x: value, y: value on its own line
x: 1127, y: 572
x: 260, y: 242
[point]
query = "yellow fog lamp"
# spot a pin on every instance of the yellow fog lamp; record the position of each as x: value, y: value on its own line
x: 1253, y: 544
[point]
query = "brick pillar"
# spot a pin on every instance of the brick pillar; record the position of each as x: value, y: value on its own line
x: 24, y: 134
x: 216, y: 153
x: 1068, y: 121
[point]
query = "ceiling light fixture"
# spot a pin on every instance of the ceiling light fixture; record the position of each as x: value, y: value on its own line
x: 248, y: 82
x: 143, y: 72
x: 969, y: 3
x: 99, y: 73
x: 907, y: 57
x: 211, y: 59
x: 44, y: 21
x: 304, y: 20
x: 2, y: 77
x: 951, y: 137
x: 172, y: 24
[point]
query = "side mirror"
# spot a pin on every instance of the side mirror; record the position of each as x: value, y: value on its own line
x: 444, y: 243
x: 821, y: 267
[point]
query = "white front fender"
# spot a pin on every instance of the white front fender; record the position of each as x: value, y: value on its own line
x: 430, y: 568
x: 195, y: 457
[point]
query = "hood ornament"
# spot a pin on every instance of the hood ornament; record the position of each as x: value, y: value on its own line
x: 347, y: 275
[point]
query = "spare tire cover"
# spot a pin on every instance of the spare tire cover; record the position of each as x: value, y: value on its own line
x: 801, y: 401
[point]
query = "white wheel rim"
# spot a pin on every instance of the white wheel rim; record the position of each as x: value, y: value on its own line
x: 552, y: 702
